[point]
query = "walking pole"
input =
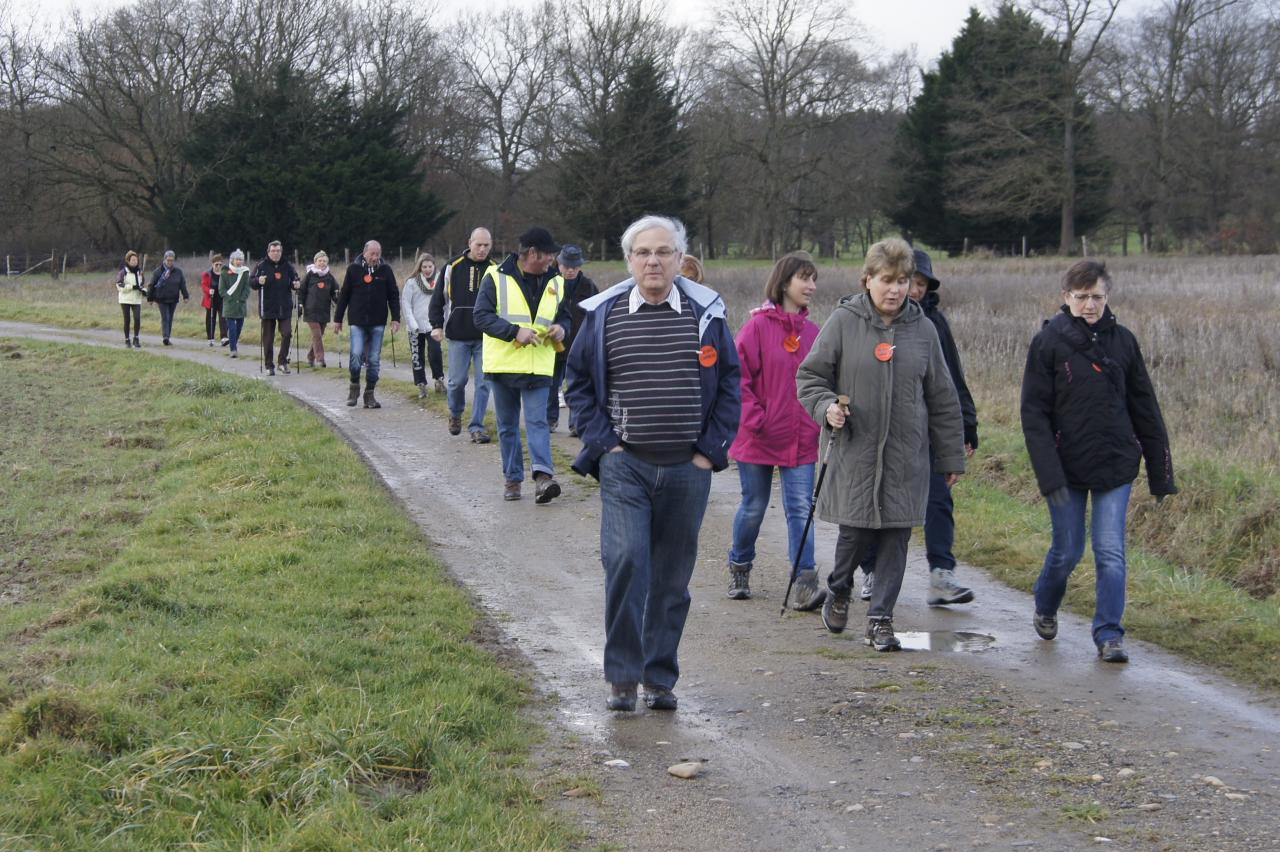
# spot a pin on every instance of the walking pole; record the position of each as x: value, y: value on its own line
x: 393, y: 349
x: 339, y: 349
x: 297, y: 316
x: 843, y: 402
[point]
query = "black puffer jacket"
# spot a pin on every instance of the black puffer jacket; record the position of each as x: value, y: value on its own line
x: 318, y: 295
x: 1089, y: 411
x: 968, y: 411
x: 368, y: 293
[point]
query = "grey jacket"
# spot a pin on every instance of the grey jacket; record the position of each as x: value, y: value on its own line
x: 879, y: 467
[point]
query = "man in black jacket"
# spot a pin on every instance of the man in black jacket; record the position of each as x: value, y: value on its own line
x: 577, y: 289
x: 450, y: 315
x: 939, y: 520
x: 275, y: 280
x: 370, y: 291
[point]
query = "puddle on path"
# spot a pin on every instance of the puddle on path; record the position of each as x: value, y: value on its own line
x: 957, y: 641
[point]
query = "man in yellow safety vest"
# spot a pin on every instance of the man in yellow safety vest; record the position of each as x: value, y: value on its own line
x: 524, y: 317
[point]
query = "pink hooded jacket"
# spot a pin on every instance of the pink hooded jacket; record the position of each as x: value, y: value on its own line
x: 774, y: 429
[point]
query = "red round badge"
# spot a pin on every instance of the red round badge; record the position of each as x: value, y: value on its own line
x: 320, y: 285
x: 368, y: 279
x: 279, y: 276
x: 791, y: 344
x: 884, y: 352
x: 707, y: 356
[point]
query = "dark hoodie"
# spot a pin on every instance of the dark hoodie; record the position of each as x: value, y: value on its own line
x: 454, y: 298
x: 968, y: 411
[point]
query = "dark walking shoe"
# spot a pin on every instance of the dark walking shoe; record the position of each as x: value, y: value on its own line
x: 573, y: 430
x: 480, y: 437
x: 271, y: 371
x: 1112, y: 651
x: 552, y: 425
x: 455, y: 425
x: 323, y: 365
x: 440, y: 388
x: 1046, y: 625
x: 284, y: 368
x: 546, y: 488
x: 369, y: 401
x: 235, y: 354
x: 128, y: 344
x: 137, y: 344
x: 422, y: 390
x: 511, y: 491
x: 311, y: 361
x: 166, y: 342
x: 943, y: 588
x: 659, y: 698
x: 622, y: 697
x: 739, y: 581
x: 353, y: 394
x: 226, y: 341
x: 835, y: 612
x: 868, y: 585
x: 880, y: 634
x: 809, y: 593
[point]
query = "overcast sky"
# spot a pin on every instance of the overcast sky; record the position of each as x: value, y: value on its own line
x: 928, y: 25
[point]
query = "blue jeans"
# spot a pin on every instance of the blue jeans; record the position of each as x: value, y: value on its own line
x: 509, y: 394
x: 366, y: 351
x: 649, y: 520
x: 464, y: 354
x: 1108, y: 524
x: 235, y: 325
x: 797, y: 497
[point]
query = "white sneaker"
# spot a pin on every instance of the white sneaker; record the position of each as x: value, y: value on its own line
x: 944, y: 590
x: 868, y: 584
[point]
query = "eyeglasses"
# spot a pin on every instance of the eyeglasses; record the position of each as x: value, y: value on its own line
x: 1082, y: 298
x: 663, y: 254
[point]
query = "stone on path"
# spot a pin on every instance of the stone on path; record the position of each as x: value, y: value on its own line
x: 689, y: 769
x: 618, y: 763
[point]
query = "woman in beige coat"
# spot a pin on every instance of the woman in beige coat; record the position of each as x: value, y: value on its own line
x: 878, y: 348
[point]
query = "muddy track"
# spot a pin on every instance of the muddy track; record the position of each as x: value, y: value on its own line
x: 813, y: 741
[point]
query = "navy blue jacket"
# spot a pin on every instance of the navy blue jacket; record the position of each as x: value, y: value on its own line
x: 588, y: 395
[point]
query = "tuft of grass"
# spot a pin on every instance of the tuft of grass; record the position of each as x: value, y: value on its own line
x: 1092, y: 814
x: 231, y: 635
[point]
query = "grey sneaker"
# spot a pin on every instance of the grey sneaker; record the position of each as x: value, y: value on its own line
x: 835, y: 612
x: 1046, y: 625
x: 809, y: 595
x: 739, y: 581
x: 422, y: 390
x: 1112, y: 651
x: 944, y: 590
x: 868, y: 585
x: 880, y: 634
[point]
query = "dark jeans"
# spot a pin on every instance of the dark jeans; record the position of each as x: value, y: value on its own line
x: 167, y: 310
x: 418, y: 343
x: 235, y: 325
x: 852, y: 548
x: 215, y: 321
x: 939, y: 527
x: 134, y: 311
x: 557, y: 381
x: 269, y: 337
x: 650, y: 516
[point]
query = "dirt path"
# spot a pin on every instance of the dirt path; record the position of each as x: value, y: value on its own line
x: 812, y: 741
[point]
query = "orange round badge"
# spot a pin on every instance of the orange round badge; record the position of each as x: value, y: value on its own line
x: 707, y: 356
x: 884, y: 352
x: 320, y: 285
x: 368, y: 279
x: 279, y: 276
x: 791, y: 344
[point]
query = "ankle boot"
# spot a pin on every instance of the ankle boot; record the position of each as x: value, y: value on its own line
x: 369, y: 401
x: 353, y: 394
x: 739, y: 582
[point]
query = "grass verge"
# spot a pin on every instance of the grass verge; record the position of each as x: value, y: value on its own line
x: 219, y: 629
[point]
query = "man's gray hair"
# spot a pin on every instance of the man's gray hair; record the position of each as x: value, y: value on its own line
x: 170, y: 253
x: 273, y: 244
x: 671, y: 225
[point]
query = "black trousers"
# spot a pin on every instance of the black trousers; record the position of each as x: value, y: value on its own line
x: 269, y: 337
x: 435, y: 359
x: 852, y: 548
x: 214, y: 320
x: 136, y: 312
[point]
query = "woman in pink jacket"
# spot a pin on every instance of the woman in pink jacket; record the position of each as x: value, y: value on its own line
x: 775, y: 430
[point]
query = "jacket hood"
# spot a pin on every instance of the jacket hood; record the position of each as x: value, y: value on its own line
x: 860, y: 304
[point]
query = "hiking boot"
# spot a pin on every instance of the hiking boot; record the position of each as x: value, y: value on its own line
x: 1112, y: 651
x: 440, y: 388
x: 622, y: 697
x: 166, y: 342
x: 480, y: 436
x: 235, y: 354
x: 1046, y: 625
x: 353, y: 394
x: 455, y: 425
x: 880, y: 634
x: 573, y: 430
x: 422, y: 390
x: 659, y: 698
x: 835, y: 612
x: 311, y: 361
x: 226, y: 341
x: 128, y: 344
x: 284, y: 368
x: 943, y: 588
x: 809, y: 594
x: 271, y: 371
x: 739, y: 580
x: 546, y: 488
x: 137, y: 344
x: 868, y: 585
x: 552, y: 425
x: 511, y: 491
x: 210, y: 343
x: 369, y: 401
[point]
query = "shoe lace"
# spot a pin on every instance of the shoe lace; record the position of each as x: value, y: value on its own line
x: 739, y: 580
x: 840, y: 605
x: 883, y: 628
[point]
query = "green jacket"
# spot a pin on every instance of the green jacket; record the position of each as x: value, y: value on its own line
x: 900, y: 408
x: 234, y: 304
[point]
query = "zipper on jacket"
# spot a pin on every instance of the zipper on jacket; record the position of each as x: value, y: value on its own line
x: 887, y: 401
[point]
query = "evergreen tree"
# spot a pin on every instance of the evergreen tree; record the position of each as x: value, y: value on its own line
x: 979, y: 153
x: 632, y: 163
x: 296, y: 162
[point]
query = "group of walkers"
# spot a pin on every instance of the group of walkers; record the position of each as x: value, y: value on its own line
x: 662, y: 395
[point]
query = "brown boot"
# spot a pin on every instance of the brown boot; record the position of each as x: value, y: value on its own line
x: 353, y: 394
x: 369, y: 401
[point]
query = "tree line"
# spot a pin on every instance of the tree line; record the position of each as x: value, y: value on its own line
x: 197, y: 125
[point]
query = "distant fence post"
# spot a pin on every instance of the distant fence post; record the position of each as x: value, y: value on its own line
x: 965, y: 251
x: 1024, y: 245
x: 346, y: 256
x: 402, y: 254
x: 1084, y: 246
x: 64, y: 265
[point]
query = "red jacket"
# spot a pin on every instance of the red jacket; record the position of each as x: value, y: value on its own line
x: 774, y: 429
x: 209, y: 286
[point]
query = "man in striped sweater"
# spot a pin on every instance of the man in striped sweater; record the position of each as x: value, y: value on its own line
x: 653, y: 387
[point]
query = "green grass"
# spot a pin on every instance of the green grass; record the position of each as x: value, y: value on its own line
x: 220, y: 630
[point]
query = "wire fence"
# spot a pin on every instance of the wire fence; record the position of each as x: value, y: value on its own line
x: 73, y: 262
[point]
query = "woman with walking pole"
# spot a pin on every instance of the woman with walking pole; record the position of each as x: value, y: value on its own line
x: 775, y: 430
x: 878, y: 349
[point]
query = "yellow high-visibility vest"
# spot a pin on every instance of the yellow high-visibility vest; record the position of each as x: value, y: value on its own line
x: 501, y: 356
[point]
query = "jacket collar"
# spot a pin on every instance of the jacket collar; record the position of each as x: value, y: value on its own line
x: 860, y: 304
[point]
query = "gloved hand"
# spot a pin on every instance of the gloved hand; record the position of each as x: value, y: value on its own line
x: 1058, y: 497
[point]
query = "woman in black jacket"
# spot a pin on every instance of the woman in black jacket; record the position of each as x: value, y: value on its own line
x: 316, y: 298
x: 1089, y: 416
